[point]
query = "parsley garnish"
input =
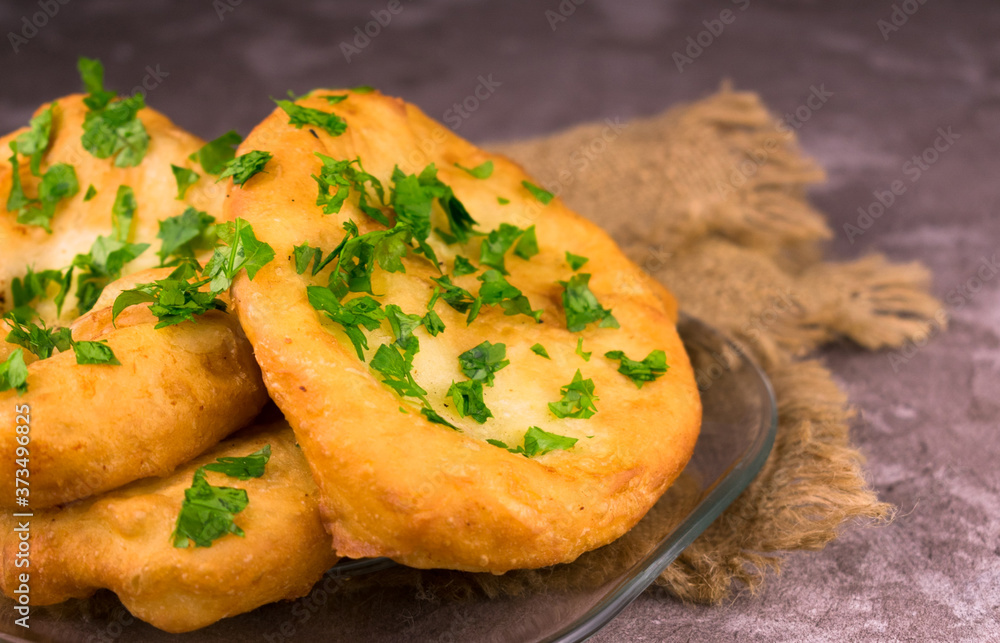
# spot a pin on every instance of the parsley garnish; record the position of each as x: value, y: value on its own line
x: 433, y: 323
x: 94, y: 353
x: 412, y: 198
x: 527, y: 247
x: 35, y: 141
x: 299, y: 116
x: 648, y: 370
x: 14, y: 373
x: 579, y: 350
x: 577, y: 399
x: 207, y: 512
x: 361, y: 311
x: 468, y: 399
x: 244, y: 468
x: 402, y: 326
x: 335, y: 98
x: 102, y: 265
x: 34, y: 285
x: 481, y: 362
x: 341, y: 176
x: 481, y: 171
x: 496, y: 245
x: 38, y: 339
x: 174, y: 299
x: 542, y: 195
x: 582, y: 307
x: 575, y: 261
x: 363, y: 89
x: 245, y: 251
x: 538, y: 349
x: 184, y: 234
x: 58, y: 183
x: 396, y: 371
x: 502, y: 201
x: 455, y: 296
x: 91, y: 193
x: 185, y: 178
x: 123, y: 212
x: 497, y: 290
x: 538, y: 442
x: 245, y: 166
x: 463, y: 266
x: 111, y: 128
x: 435, y: 417
x: 215, y: 154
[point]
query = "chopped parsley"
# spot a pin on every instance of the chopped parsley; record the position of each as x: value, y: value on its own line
x: 481, y: 171
x: 582, y: 307
x: 341, y: 177
x: 91, y: 193
x: 207, y: 512
x: 483, y: 361
x: 648, y: 370
x: 538, y: 349
x: 111, y: 127
x: 244, y: 251
x: 363, y: 89
x: 244, y: 468
x: 299, y: 116
x: 244, y: 167
x: 497, y: 290
x: 412, y: 198
x: 455, y: 296
x: 185, y: 234
x: 185, y: 178
x: 403, y: 326
x: 575, y: 261
x: 94, y: 353
x: 468, y: 399
x: 37, y: 339
x: 433, y: 323
x: 527, y: 246
x: 214, y: 155
x: 102, y: 265
x: 361, y: 311
x: 435, y: 417
x: 173, y: 299
x: 496, y: 244
x: 59, y: 182
x: 14, y: 373
x: 395, y: 367
x: 463, y: 266
x: 502, y: 201
x: 335, y: 98
x: 538, y: 442
x: 577, y: 399
x: 579, y: 350
x: 123, y: 212
x: 36, y: 284
x: 542, y: 195
x: 35, y: 141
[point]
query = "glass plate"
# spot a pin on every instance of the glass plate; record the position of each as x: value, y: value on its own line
x: 379, y: 601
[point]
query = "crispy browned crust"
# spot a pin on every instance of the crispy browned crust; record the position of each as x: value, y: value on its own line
x: 122, y: 541
x: 178, y: 391
x: 77, y: 223
x: 393, y: 484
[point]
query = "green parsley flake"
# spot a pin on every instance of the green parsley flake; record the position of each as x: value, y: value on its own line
x: 94, y: 353
x: 468, y: 399
x: 403, y: 326
x: 174, y: 299
x: 463, y: 266
x: 111, y: 128
x: 581, y: 306
x: 538, y: 442
x: 185, y: 234
x: 433, y: 323
x: 527, y: 246
x: 435, y: 417
x: 579, y: 350
x: 648, y: 370
x: 207, y: 512
x: 35, y: 141
x: 341, y: 177
x: 542, y: 195
x: 481, y: 171
x: 91, y: 193
x: 497, y: 290
x: 455, y: 296
x: 395, y: 367
x: 300, y: 116
x: 14, y: 373
x: 496, y: 245
x: 538, y: 349
x: 481, y: 362
x: 245, y: 251
x: 37, y: 339
x: 351, y: 315
x: 412, y: 198
x: 214, y: 155
x: 59, y: 182
x: 363, y: 89
x: 35, y: 285
x: 577, y: 399
x: 245, y: 166
x: 244, y: 468
x: 575, y: 261
x: 123, y: 212
x: 502, y: 201
x: 102, y: 265
x: 335, y: 98
x: 185, y: 178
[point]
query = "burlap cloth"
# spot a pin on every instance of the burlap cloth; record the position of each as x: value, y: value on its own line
x: 710, y: 199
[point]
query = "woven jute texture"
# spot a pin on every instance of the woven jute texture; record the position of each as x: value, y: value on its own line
x: 710, y: 199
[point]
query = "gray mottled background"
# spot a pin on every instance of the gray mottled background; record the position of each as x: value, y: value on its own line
x: 928, y: 422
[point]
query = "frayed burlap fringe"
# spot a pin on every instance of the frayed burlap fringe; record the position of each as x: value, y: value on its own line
x: 710, y: 199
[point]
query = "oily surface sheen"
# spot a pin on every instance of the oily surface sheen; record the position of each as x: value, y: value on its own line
x: 78, y: 223
x: 122, y: 541
x: 178, y: 391
x: 392, y: 483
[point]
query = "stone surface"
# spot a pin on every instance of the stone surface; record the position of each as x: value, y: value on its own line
x: 928, y: 423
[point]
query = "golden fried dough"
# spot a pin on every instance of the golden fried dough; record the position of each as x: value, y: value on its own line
x: 178, y: 391
x: 394, y: 484
x: 122, y: 541
x: 78, y: 223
